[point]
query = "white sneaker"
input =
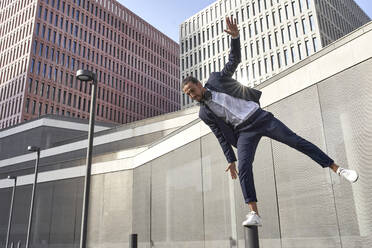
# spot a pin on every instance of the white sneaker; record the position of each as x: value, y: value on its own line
x: 350, y: 175
x: 252, y: 219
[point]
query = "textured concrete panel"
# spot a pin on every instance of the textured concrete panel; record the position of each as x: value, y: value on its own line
x: 111, y: 209
x: 63, y: 213
x: 142, y: 204
x: 177, y: 204
x: 5, y: 196
x: 21, y: 212
x: 218, y: 196
x: 43, y: 213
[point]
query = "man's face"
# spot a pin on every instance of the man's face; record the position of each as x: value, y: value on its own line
x: 195, y: 91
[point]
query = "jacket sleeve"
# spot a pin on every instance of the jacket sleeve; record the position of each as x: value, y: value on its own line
x: 234, y: 58
x: 226, y: 147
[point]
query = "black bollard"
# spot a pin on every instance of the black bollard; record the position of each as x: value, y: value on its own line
x: 133, y: 240
x: 251, y: 237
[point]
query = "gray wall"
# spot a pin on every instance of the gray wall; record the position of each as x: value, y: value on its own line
x: 185, y: 199
x: 44, y: 137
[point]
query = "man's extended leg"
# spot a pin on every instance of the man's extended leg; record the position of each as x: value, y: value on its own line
x: 277, y: 130
x: 247, y: 144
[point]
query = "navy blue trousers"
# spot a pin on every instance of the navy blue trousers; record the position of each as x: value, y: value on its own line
x: 263, y: 123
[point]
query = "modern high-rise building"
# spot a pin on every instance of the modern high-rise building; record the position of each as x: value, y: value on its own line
x: 274, y: 34
x: 44, y: 42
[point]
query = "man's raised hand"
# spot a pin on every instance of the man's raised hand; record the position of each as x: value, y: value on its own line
x: 232, y: 27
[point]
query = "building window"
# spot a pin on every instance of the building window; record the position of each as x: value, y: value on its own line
x: 300, y: 5
x: 32, y: 65
x: 293, y: 8
x: 286, y: 57
x: 265, y: 62
x: 259, y: 68
x: 296, y: 29
x: 276, y: 38
x: 27, y: 104
x: 270, y: 46
x: 279, y: 60
x: 286, y: 11
x: 41, y: 49
x: 303, y: 25
x: 33, y: 107
x: 35, y: 47
x: 29, y: 85
x: 307, y: 48
x: 38, y: 68
x: 311, y: 22
x: 40, y: 10
x: 293, y: 55
x: 42, y: 89
x: 315, y: 45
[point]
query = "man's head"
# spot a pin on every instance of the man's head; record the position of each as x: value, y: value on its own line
x: 193, y: 88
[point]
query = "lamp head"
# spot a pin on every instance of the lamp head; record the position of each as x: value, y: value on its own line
x: 33, y: 148
x: 85, y: 75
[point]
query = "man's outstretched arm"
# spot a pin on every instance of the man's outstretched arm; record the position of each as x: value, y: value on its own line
x: 235, y: 53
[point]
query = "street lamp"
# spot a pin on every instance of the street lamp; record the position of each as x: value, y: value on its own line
x: 14, y: 178
x: 85, y: 75
x: 37, y: 150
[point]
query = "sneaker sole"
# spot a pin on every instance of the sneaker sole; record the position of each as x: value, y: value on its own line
x: 252, y: 225
x: 356, y: 179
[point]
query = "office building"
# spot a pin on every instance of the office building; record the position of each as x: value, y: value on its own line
x: 274, y: 34
x: 43, y: 44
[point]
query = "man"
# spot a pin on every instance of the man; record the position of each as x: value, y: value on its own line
x: 233, y: 113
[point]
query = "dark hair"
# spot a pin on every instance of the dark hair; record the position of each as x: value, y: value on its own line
x: 189, y: 79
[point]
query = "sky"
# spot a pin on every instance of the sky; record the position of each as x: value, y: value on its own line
x: 167, y: 15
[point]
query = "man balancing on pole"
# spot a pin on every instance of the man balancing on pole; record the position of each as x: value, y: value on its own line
x: 233, y: 113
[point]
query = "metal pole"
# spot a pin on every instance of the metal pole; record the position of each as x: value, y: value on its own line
x: 251, y: 237
x: 11, y: 210
x: 32, y: 199
x: 84, y: 224
x: 133, y: 240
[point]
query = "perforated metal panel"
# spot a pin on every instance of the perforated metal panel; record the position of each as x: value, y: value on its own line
x: 347, y: 113
x: 305, y: 198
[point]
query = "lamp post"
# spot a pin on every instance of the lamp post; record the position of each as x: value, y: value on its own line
x: 37, y: 150
x: 85, y: 75
x: 14, y: 178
